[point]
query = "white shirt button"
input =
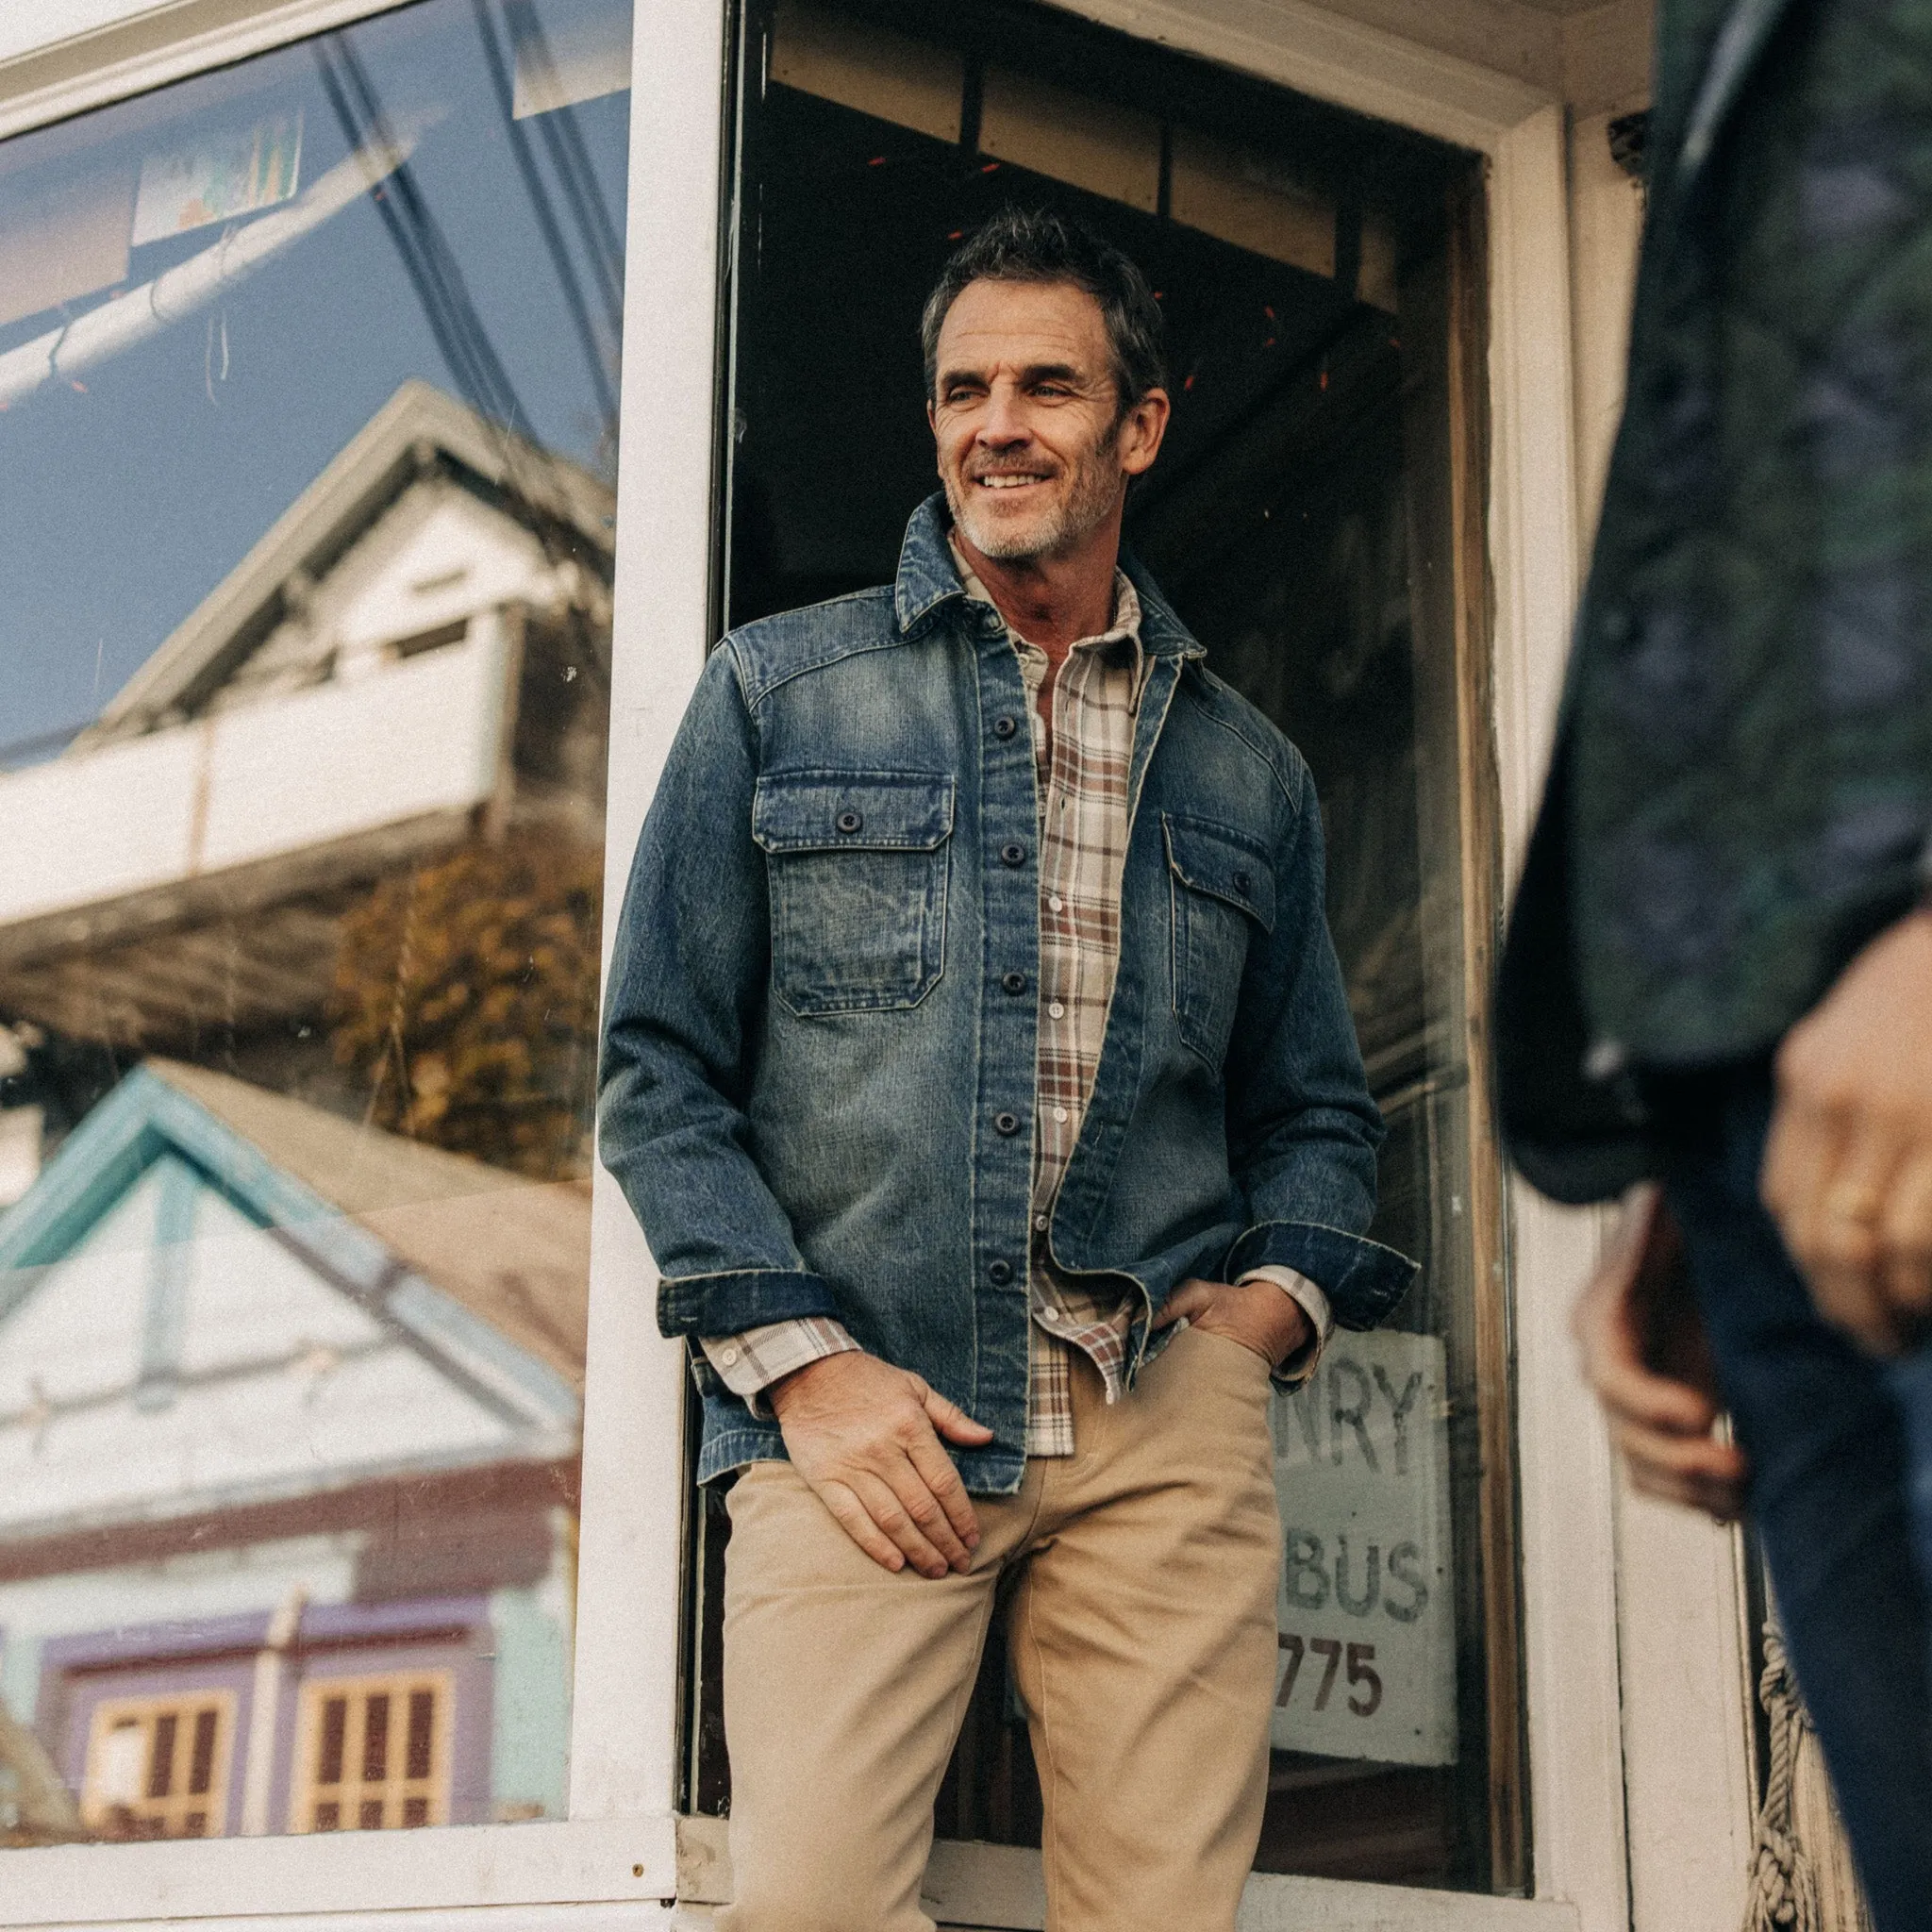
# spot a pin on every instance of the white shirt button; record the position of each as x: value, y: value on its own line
x: 1057, y: 1010
x: 1060, y: 1113
x: 727, y: 1356
x: 1055, y: 903
x: 1039, y: 1222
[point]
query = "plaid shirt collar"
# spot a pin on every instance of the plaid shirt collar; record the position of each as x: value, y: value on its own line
x: 1125, y: 630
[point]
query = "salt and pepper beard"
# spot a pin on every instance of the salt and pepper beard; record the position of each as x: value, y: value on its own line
x: 1098, y: 482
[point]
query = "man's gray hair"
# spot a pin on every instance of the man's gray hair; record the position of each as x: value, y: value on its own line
x: 1035, y: 245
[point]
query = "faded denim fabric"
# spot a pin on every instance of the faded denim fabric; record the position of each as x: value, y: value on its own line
x: 818, y: 1081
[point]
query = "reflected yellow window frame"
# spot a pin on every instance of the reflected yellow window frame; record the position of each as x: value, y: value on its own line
x: 392, y: 1792
x: 183, y: 1771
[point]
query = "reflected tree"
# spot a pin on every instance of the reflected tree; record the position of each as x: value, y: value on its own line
x: 465, y: 996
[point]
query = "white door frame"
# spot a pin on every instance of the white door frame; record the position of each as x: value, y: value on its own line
x: 621, y: 1842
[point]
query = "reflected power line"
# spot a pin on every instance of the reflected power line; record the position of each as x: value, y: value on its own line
x: 419, y: 243
x: 546, y: 218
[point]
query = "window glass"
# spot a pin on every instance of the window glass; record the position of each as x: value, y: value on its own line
x: 1302, y: 519
x: 307, y: 456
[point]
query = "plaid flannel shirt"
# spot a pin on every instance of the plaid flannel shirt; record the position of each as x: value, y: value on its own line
x: 1082, y: 753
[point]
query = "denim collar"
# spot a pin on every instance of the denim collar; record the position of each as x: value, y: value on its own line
x: 927, y: 581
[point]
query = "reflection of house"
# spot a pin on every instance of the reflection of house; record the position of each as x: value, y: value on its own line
x: 417, y: 649
x: 288, y: 1419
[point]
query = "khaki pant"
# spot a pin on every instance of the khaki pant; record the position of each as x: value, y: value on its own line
x: 1142, y: 1637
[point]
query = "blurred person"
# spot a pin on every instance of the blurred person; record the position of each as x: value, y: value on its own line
x: 978, y: 1065
x: 1717, y: 991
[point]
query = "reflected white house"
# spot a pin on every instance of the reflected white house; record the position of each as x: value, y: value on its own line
x: 417, y: 648
x: 289, y: 1416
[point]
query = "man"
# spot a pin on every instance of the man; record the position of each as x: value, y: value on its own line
x: 978, y: 1064
x: 1720, y: 969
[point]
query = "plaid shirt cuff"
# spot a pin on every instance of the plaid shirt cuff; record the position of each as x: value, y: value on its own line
x: 751, y: 1362
x: 1302, y: 1364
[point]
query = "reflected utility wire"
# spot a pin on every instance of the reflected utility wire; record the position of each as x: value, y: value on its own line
x: 546, y: 219
x: 425, y: 255
x: 572, y: 160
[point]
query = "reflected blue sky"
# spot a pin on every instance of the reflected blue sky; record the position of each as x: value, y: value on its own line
x: 125, y: 502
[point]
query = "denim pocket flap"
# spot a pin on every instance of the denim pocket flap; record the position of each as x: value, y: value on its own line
x: 852, y: 811
x: 1222, y: 863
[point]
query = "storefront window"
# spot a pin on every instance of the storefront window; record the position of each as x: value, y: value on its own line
x: 1315, y: 518
x: 308, y: 377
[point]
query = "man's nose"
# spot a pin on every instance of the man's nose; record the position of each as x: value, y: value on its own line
x: 1004, y: 421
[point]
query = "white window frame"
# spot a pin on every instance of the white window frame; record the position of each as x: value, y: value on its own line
x: 616, y: 1860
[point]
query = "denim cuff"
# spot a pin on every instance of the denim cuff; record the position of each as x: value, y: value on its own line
x: 1362, y: 1279
x: 741, y: 1298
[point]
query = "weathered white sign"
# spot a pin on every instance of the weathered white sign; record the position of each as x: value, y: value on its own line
x: 1366, y: 1612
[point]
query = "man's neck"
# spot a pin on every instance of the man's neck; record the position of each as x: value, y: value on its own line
x: 1052, y: 601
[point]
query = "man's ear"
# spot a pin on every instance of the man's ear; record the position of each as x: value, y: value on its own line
x: 1141, y: 431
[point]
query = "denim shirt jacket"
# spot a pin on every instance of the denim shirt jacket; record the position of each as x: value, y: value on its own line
x: 818, y: 1081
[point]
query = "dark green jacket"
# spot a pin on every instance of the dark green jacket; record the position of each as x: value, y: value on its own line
x: 1743, y: 788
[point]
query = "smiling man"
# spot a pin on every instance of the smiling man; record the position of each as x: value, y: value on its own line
x: 978, y: 1065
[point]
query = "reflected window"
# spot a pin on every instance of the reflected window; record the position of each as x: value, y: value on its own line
x: 1310, y: 518
x: 308, y: 380
x: 159, y: 1766
x: 373, y: 1754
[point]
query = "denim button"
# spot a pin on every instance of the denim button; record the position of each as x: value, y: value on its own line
x: 999, y: 1272
x: 1012, y: 853
x: 1005, y: 727
x: 1014, y: 982
x: 849, y: 821
x: 1242, y: 882
x: 1005, y: 1122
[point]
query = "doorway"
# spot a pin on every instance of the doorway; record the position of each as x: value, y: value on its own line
x: 1315, y: 519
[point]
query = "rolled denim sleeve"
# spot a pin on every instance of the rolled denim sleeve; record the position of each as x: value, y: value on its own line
x: 1303, y: 1130
x: 687, y: 989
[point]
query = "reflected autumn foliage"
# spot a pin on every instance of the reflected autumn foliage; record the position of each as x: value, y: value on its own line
x: 465, y: 996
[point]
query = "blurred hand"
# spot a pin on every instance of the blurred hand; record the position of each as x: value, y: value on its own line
x: 866, y: 1436
x: 1259, y: 1315
x: 1848, y: 1168
x: 1644, y: 1354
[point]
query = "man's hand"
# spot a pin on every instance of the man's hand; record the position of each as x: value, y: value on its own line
x: 1848, y: 1167
x: 863, y: 1434
x: 1260, y: 1315
x: 1646, y: 1354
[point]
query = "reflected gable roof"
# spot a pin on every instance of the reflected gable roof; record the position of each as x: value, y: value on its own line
x: 417, y: 431
x: 494, y: 1263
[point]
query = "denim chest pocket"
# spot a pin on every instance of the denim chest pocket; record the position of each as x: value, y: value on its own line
x: 856, y: 865
x: 1223, y: 888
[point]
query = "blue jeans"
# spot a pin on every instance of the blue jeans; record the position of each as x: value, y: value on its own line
x: 1840, y: 1450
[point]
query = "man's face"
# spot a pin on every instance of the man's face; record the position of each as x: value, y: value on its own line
x: 1032, y: 449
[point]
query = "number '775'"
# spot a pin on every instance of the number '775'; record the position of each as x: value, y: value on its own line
x: 1365, y: 1684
